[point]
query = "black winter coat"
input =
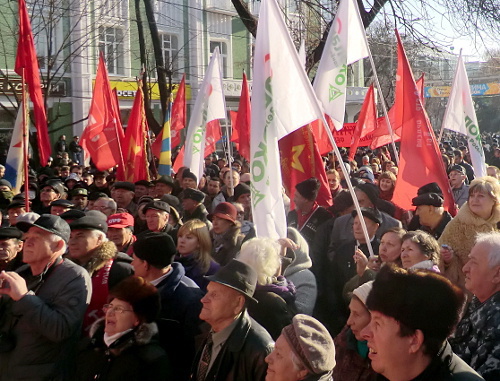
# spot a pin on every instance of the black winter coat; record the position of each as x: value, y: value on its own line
x: 242, y: 356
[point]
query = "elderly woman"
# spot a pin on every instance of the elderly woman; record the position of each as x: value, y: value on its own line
x: 276, y: 297
x: 194, y: 248
x: 420, y: 250
x: 226, y: 233
x: 351, y: 351
x: 122, y: 345
x: 480, y: 214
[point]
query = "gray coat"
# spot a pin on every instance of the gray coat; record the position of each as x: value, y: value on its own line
x: 45, y: 326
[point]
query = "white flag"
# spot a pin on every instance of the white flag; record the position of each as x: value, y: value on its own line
x: 210, y: 105
x: 282, y: 101
x: 14, y: 165
x: 460, y: 116
x: 346, y: 43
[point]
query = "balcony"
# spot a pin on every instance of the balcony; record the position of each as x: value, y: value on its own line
x: 221, y: 6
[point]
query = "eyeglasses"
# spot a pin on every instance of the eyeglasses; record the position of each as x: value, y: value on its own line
x: 117, y: 310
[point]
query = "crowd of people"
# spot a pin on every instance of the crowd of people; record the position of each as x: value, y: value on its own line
x: 166, y: 279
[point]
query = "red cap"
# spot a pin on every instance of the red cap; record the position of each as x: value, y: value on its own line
x: 120, y: 220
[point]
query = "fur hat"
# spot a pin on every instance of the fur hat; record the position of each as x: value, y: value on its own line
x: 419, y: 299
x: 311, y: 342
x: 141, y: 295
x: 309, y: 188
x: 156, y: 248
x: 194, y: 194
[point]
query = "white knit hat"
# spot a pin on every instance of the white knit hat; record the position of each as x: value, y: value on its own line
x: 362, y: 291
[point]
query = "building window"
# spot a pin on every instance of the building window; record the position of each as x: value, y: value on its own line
x: 170, y: 49
x: 111, y: 45
x: 224, y: 55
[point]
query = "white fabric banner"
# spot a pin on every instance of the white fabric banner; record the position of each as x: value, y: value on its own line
x: 460, y: 116
x: 282, y: 101
x: 346, y: 43
x: 210, y: 105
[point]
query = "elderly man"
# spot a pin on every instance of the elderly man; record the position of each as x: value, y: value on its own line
x: 477, y: 339
x: 304, y: 351
x: 412, y: 314
x: 459, y: 188
x: 89, y: 247
x: 432, y: 216
x: 42, y: 306
x: 14, y: 210
x: 10, y: 249
x: 157, y: 215
x: 368, y: 197
x: 237, y: 345
x: 164, y: 185
x: 307, y: 215
x: 141, y: 189
x: 121, y: 231
x: 105, y: 205
x: 51, y: 191
x: 180, y: 297
x: 123, y: 193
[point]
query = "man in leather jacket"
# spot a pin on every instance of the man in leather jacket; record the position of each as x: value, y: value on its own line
x: 237, y: 345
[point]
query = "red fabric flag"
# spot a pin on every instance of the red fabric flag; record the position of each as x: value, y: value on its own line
x: 367, y: 121
x: 321, y: 136
x: 177, y: 120
x: 179, y: 160
x: 135, y: 154
x: 103, y: 136
x: 420, y: 161
x: 27, y: 66
x: 235, y: 138
x: 212, y: 136
x: 243, y: 121
x: 421, y: 87
x: 301, y: 160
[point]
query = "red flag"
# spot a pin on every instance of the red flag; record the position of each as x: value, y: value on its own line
x: 300, y: 160
x: 135, y: 154
x: 212, y: 136
x: 367, y: 121
x: 177, y: 120
x: 321, y: 136
x: 26, y: 59
x: 421, y: 87
x: 102, y: 137
x: 420, y: 161
x: 243, y: 121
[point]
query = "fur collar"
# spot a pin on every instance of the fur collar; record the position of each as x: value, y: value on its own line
x: 466, y: 216
x: 100, y: 255
x: 141, y: 335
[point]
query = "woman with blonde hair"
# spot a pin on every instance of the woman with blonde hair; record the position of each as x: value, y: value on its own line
x: 480, y: 214
x: 194, y: 248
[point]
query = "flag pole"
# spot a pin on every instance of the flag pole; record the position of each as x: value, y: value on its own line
x: 230, y: 154
x: 25, y: 144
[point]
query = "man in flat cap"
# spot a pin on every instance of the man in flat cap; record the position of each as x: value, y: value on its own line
x: 142, y: 188
x: 307, y: 215
x: 51, y: 191
x: 237, y: 345
x: 432, y: 216
x: 413, y: 312
x: 123, y: 192
x: 153, y: 259
x: 11, y: 247
x: 304, y: 351
x: 164, y: 185
x: 157, y: 215
x: 90, y: 248
x: 192, y: 203
x: 42, y: 306
x: 15, y: 209
x: 459, y: 188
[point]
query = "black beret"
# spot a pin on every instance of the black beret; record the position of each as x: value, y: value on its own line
x: 372, y: 214
x: 157, y: 205
x: 89, y: 223
x: 124, y: 185
x: 156, y: 248
x: 240, y: 189
x: 194, y: 194
x: 428, y: 199
x: 11, y: 232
